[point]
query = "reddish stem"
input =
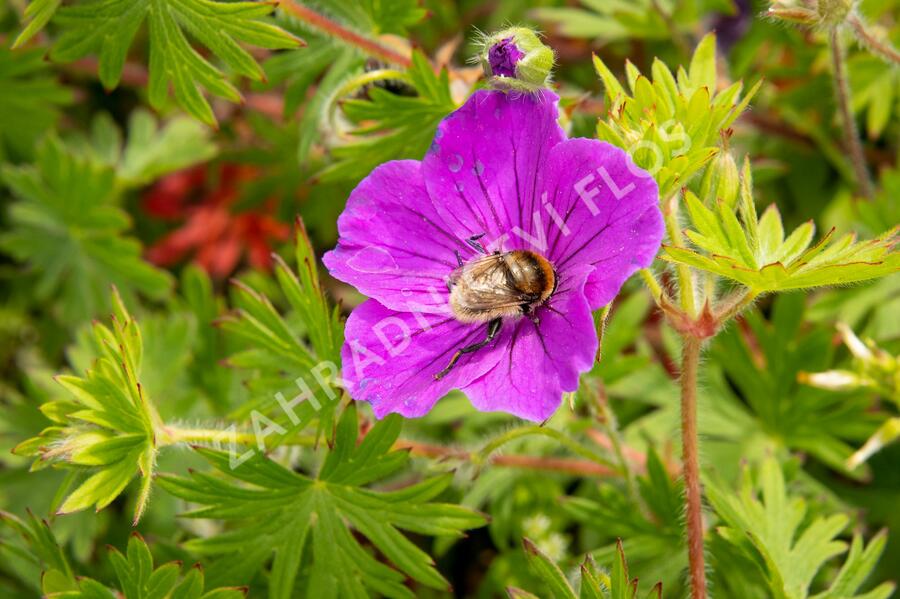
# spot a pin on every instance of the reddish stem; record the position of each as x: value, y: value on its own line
x: 567, y: 465
x: 691, y: 465
x: 334, y: 29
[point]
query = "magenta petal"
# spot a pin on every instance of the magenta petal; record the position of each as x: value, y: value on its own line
x: 540, y: 362
x: 503, y: 57
x: 393, y: 246
x: 482, y: 169
x: 603, y: 211
x: 390, y: 358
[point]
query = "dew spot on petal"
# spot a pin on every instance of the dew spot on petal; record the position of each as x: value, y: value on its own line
x: 478, y: 169
x: 455, y: 163
x: 373, y: 260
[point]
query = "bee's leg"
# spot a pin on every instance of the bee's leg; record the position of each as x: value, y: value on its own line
x: 493, y: 329
x: 530, y: 312
x: 476, y: 245
x: 459, y: 259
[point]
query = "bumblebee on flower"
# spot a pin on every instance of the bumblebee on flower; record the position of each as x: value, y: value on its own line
x: 484, y: 260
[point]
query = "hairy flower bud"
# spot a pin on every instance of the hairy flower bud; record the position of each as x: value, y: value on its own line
x: 834, y: 12
x: 818, y: 13
x: 721, y: 181
x: 515, y: 58
x: 801, y: 16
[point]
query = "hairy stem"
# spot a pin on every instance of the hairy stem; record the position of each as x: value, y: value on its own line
x: 174, y: 435
x: 691, y: 465
x: 734, y: 305
x: 329, y: 27
x: 685, y: 276
x: 652, y: 284
x: 878, y: 45
x: 542, y: 431
x: 574, y: 466
x: 851, y: 134
x: 610, y: 423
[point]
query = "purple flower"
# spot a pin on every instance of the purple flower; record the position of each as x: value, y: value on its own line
x: 503, y: 57
x: 500, y: 176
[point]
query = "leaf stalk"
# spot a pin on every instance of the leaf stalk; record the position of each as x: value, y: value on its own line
x: 336, y: 30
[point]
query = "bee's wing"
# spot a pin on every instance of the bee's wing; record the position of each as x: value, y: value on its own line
x: 489, y: 286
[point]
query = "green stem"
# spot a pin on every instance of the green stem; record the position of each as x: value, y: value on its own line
x: 685, y: 276
x: 611, y: 425
x: 735, y: 305
x: 691, y: 466
x: 851, y: 134
x: 369, y: 77
x: 526, y: 431
x: 652, y: 284
x: 173, y: 435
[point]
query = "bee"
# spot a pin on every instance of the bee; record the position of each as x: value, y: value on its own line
x: 495, y: 286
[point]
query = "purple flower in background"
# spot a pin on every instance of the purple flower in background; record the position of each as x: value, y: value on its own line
x: 503, y: 57
x: 485, y: 260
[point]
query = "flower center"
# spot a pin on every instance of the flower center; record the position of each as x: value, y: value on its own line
x: 503, y: 57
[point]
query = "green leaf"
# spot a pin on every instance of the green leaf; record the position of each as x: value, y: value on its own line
x: 792, y: 546
x: 296, y: 355
x: 549, y: 572
x: 150, y: 150
x: 756, y: 254
x: 108, y: 28
x: 109, y: 424
x: 138, y: 579
x: 670, y: 126
x: 392, y: 126
x: 67, y: 228
x: 612, y: 20
x: 702, y: 72
x: 43, y: 544
x: 595, y: 583
x: 30, y: 101
x: 38, y: 13
x: 306, y: 520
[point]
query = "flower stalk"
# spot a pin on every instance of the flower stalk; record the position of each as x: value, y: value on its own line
x: 691, y: 465
x: 685, y: 276
x: 878, y: 45
x: 851, y: 133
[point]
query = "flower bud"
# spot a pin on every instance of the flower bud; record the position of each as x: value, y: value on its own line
x: 833, y: 380
x: 854, y: 343
x: 801, y: 16
x: 834, y: 12
x: 515, y: 58
x: 721, y: 181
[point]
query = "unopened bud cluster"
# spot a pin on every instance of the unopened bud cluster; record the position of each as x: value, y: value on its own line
x: 516, y: 59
